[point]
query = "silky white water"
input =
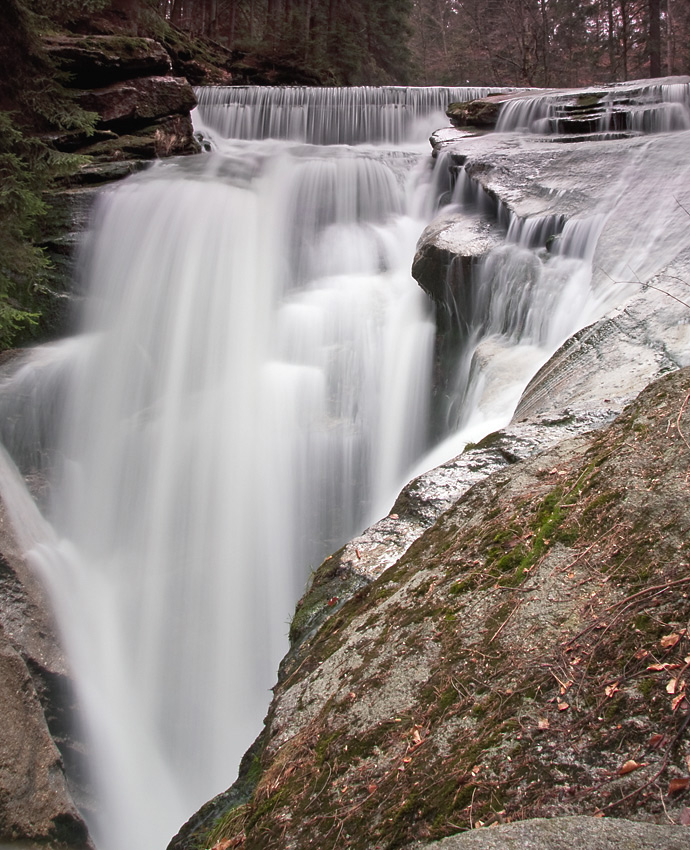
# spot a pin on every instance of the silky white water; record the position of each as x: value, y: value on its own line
x: 254, y: 379
x: 251, y: 388
x: 328, y: 116
x: 642, y: 106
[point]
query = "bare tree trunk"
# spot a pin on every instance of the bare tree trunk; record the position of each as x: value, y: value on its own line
x: 176, y: 13
x: 213, y: 20
x: 546, y: 46
x: 670, y: 52
x: 332, y: 15
x: 612, y: 42
x: 307, y: 29
x: 624, y: 36
x: 654, y: 38
x: 232, y: 23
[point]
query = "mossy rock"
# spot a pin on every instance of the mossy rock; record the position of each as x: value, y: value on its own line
x: 481, y: 113
x: 508, y: 665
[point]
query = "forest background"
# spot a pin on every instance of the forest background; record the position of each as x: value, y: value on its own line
x: 542, y: 43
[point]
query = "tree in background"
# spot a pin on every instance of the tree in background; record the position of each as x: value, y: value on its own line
x: 549, y: 42
x: 342, y: 41
x: 32, y: 103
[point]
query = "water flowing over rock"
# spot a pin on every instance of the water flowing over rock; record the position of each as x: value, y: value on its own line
x: 360, y: 732
x: 257, y: 379
x: 656, y: 106
x: 327, y: 116
x: 36, y: 701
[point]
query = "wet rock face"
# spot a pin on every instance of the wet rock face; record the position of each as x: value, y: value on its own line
x: 447, y: 253
x: 482, y: 113
x: 36, y: 706
x: 138, y: 101
x: 35, y: 804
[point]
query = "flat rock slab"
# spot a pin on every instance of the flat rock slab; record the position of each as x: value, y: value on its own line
x: 141, y: 100
x: 95, y: 60
x: 573, y: 833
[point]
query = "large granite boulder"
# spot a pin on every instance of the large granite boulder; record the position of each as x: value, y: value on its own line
x: 571, y: 833
x: 523, y: 658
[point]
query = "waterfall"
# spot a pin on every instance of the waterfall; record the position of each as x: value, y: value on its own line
x: 637, y: 107
x: 251, y: 387
x: 509, y: 315
x: 329, y: 116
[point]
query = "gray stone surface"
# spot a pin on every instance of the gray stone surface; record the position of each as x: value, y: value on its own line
x: 36, y: 802
x: 139, y: 100
x: 568, y: 833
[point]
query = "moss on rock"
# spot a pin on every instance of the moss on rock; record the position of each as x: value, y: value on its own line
x: 509, y: 665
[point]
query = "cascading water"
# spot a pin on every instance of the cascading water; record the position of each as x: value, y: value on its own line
x: 251, y: 386
x: 518, y: 304
x: 637, y: 107
x: 329, y: 116
x: 251, y: 389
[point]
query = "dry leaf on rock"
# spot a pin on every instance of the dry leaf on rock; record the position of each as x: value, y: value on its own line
x: 676, y: 701
x: 656, y: 740
x: 629, y: 766
x: 680, y: 783
x: 667, y: 641
x: 610, y: 690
